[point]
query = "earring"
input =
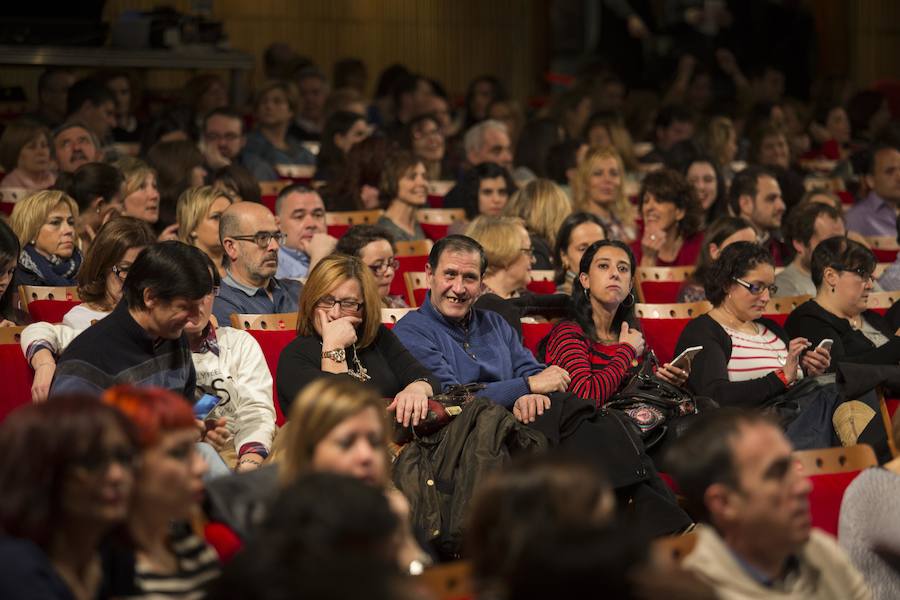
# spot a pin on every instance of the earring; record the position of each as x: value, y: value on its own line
x: 832, y: 289
x: 586, y: 294
x: 626, y: 302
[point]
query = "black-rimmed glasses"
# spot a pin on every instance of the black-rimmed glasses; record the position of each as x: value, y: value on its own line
x: 380, y: 267
x: 261, y: 238
x: 347, y: 304
x: 757, y: 288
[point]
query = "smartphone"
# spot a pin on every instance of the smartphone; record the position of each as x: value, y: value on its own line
x: 825, y: 344
x: 205, y: 405
x: 683, y: 360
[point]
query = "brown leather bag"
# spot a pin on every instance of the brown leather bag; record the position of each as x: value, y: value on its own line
x: 442, y: 408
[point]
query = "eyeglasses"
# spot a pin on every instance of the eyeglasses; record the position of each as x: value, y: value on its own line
x: 529, y: 252
x: 120, y: 272
x: 347, y: 305
x: 262, y: 238
x: 380, y: 267
x: 99, y: 461
x: 757, y: 288
x: 862, y: 272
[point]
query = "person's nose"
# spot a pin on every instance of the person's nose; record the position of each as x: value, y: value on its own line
x: 506, y: 156
x: 335, y: 311
x: 273, y: 244
x: 364, y: 453
x: 66, y: 228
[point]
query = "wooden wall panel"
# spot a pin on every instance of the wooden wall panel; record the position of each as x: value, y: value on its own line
x: 875, y: 46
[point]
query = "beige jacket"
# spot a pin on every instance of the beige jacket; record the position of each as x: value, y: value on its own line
x: 825, y: 573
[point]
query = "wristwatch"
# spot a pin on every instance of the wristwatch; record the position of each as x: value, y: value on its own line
x: 338, y: 355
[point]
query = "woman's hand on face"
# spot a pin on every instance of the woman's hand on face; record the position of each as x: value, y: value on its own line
x: 339, y: 333
x: 652, y: 241
x: 795, y: 349
x: 633, y: 337
x: 410, y: 405
x: 816, y: 362
x: 672, y: 374
x: 169, y: 233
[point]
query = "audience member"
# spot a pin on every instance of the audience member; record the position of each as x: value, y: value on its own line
x: 375, y: 248
x: 482, y: 91
x: 755, y: 196
x: 357, y: 187
x: 709, y: 186
x: 719, y: 235
x: 721, y: 141
x: 238, y: 182
x: 607, y: 130
x: 423, y: 136
x: 342, y: 131
x: 44, y: 222
x: 807, y: 225
x: 179, y: 166
x: 769, y: 148
x: 738, y: 476
x: 52, y: 89
x: 174, y: 124
x: 600, y: 189
x: 67, y: 481
x: 272, y: 144
x: 533, y: 148
x: 562, y: 164
x: 571, y: 110
x: 404, y: 190
x: 90, y: 102
x: 509, y: 254
x: 75, y: 145
x: 483, y: 190
x: 350, y: 73
x: 876, y: 215
x: 300, y: 215
x: 163, y: 556
x: 25, y: 156
x: 140, y: 197
x: 543, y: 206
x: 671, y: 219
x: 97, y: 190
x: 339, y: 332
x: 488, y: 141
x: 10, y: 315
x: 203, y: 93
x: 143, y: 337
x: 869, y: 113
x: 674, y: 123
x: 508, y: 112
x: 746, y: 360
x: 224, y: 140
x: 309, y: 120
x: 577, y: 232
x: 199, y: 211
x: 127, y: 128
x: 601, y: 344
x: 251, y: 240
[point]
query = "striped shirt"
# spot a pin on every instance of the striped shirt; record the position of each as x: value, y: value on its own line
x: 597, y: 370
x: 755, y: 356
x: 197, y: 562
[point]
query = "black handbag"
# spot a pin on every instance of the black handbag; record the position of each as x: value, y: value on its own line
x: 653, y: 405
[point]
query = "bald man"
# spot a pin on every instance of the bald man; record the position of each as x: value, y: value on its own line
x: 251, y: 240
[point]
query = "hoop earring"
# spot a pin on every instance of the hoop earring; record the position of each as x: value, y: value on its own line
x: 586, y: 294
x: 832, y: 289
x: 628, y: 304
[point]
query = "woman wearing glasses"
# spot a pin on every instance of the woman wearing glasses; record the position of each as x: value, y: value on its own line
x: 375, y: 247
x: 842, y: 272
x: 746, y: 360
x: 106, y: 264
x: 339, y: 334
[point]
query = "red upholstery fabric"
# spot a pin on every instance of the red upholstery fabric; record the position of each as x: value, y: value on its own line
x: 881, y: 310
x: 846, y: 197
x: 223, y: 539
x: 825, y: 499
x: 780, y: 319
x: 885, y: 254
x: 434, y: 231
x: 407, y: 263
x: 892, y: 404
x: 542, y: 287
x: 660, y: 292
x: 533, y: 333
x: 435, y: 201
x: 268, y: 201
x: 419, y: 296
x: 662, y: 335
x: 51, y: 311
x: 670, y: 483
x: 6, y: 208
x: 15, y: 377
x: 272, y: 343
x: 337, y: 231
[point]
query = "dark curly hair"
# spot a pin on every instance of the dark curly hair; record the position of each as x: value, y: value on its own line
x: 359, y: 236
x: 668, y: 185
x: 582, y: 312
x: 464, y: 194
x: 841, y: 254
x: 734, y: 262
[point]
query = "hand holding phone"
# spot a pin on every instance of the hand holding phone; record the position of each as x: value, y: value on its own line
x: 683, y: 360
x: 825, y: 344
x: 205, y: 405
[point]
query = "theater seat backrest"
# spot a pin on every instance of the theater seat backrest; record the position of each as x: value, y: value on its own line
x: 50, y: 311
x: 272, y: 342
x: 15, y: 374
x: 662, y: 325
x: 533, y: 333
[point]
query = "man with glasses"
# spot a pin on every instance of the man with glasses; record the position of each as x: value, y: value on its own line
x: 251, y: 239
x: 300, y: 215
x: 224, y: 140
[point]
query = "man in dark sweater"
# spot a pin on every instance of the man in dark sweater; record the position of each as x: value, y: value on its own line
x: 142, y: 341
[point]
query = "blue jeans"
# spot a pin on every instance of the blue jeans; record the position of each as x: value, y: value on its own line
x: 217, y: 466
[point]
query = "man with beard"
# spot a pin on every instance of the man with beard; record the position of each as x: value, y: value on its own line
x: 755, y: 196
x: 74, y: 145
x: 251, y: 240
x: 806, y: 227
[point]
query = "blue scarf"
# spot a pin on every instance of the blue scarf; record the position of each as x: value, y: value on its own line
x: 53, y: 271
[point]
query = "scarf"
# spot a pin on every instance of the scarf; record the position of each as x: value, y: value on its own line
x: 53, y: 271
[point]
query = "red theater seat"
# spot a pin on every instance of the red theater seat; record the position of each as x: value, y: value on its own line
x: 663, y: 323
x: 15, y: 374
x: 660, y: 285
x: 533, y: 333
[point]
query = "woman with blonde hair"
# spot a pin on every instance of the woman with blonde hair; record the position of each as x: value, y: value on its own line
x: 721, y: 143
x: 542, y: 206
x: 599, y: 188
x: 198, y: 212
x: 340, y: 335
x: 44, y: 222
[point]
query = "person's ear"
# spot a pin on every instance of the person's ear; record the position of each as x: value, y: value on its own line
x: 745, y: 203
x: 721, y: 503
x: 830, y: 277
x: 585, y: 280
x: 714, y: 251
x: 679, y: 214
x: 799, y: 247
x: 869, y: 181
x: 150, y: 298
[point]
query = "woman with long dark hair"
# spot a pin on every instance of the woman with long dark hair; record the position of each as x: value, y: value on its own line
x: 343, y: 130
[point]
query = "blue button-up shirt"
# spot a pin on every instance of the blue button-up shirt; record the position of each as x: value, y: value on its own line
x: 238, y: 298
x: 293, y: 264
x: 873, y: 217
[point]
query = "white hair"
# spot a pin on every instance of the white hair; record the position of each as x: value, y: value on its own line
x: 474, y: 138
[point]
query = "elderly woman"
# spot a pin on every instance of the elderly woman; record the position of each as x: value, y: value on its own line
x: 97, y: 189
x: 404, y: 188
x: 842, y: 272
x: 340, y: 335
x: 198, y: 211
x: 543, y: 206
x: 599, y: 188
x: 746, y: 360
x: 276, y: 107
x: 167, y: 557
x: 720, y: 234
x: 25, y: 156
x: 672, y: 217
x: 67, y: 479
x: 99, y: 287
x: 483, y: 190
x: 577, y: 232
x: 599, y: 346
x: 375, y: 247
x: 44, y: 222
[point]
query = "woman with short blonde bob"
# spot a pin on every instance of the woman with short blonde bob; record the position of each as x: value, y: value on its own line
x: 141, y: 195
x: 198, y: 211
x: 340, y: 335
x: 509, y: 254
x: 44, y: 222
x: 599, y: 188
x: 543, y: 206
